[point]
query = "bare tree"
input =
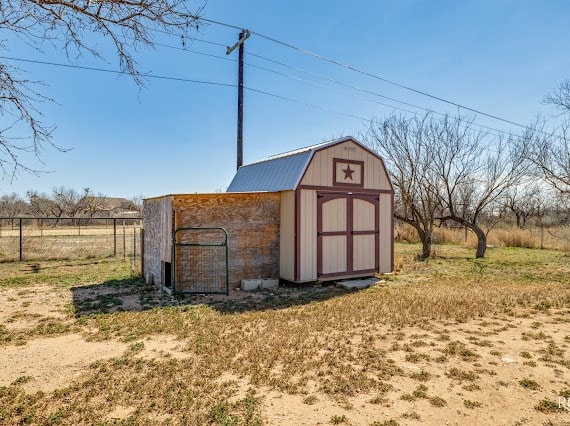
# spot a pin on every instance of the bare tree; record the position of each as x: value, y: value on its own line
x: 127, y: 25
x: 137, y: 202
x: 66, y: 201
x: 400, y: 141
x: 548, y: 152
x: 39, y: 204
x: 11, y: 205
x: 90, y: 204
x: 525, y: 202
x: 560, y: 97
x: 474, y: 170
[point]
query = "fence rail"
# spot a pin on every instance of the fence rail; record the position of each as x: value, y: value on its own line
x: 43, y: 238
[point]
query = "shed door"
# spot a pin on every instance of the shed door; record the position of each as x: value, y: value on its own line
x: 348, y: 238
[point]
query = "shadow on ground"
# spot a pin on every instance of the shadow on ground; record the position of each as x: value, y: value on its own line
x: 134, y: 295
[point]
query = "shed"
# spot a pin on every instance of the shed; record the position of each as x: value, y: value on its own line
x: 322, y: 212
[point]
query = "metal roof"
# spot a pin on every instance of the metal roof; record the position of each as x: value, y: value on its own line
x: 281, y: 172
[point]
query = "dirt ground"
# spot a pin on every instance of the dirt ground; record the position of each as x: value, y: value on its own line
x: 498, y: 354
x: 498, y: 369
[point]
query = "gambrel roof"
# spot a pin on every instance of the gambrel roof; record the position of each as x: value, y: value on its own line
x: 281, y: 172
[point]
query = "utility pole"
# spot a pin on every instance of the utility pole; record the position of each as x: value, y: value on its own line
x: 243, y: 36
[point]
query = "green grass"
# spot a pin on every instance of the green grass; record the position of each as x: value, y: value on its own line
x: 529, y: 384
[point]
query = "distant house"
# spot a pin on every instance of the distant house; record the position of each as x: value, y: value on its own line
x: 108, y: 207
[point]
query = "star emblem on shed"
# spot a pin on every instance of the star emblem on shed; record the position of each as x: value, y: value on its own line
x: 348, y: 172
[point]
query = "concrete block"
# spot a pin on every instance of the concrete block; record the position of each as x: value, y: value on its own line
x: 249, y: 285
x: 358, y: 284
x: 269, y: 283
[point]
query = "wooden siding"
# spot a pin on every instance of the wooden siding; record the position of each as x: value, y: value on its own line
x: 157, y: 213
x: 308, y: 237
x: 334, y: 254
x: 166, y: 218
x: 287, y: 236
x: 252, y: 221
x: 364, y: 250
x: 386, y: 233
x: 334, y: 215
x: 363, y: 253
x: 320, y: 171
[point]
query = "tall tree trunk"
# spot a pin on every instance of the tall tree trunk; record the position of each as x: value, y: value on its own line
x: 426, y: 244
x: 481, y: 242
x: 426, y: 239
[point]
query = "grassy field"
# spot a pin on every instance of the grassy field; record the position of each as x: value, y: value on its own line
x: 69, y: 242
x: 451, y: 339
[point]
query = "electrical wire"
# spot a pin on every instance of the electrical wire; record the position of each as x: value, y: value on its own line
x: 426, y: 110
x: 330, y: 79
x: 147, y: 75
x: 365, y: 73
x: 185, y: 80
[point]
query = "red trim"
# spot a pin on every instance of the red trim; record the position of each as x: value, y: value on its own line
x: 321, y: 199
x: 361, y: 145
x: 332, y: 188
x: 348, y: 274
x: 350, y: 233
x: 350, y: 238
x: 297, y: 234
x: 365, y: 232
x: 392, y: 237
x: 377, y: 236
x: 356, y: 163
x: 330, y: 233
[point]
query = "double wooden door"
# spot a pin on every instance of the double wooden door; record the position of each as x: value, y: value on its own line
x: 347, y: 234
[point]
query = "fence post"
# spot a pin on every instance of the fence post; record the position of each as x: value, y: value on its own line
x: 114, y: 236
x: 124, y: 242
x: 79, y: 225
x: 134, y: 242
x: 142, y: 250
x: 21, y: 240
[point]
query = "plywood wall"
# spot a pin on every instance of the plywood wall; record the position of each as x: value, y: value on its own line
x: 386, y: 233
x: 157, y: 213
x: 287, y: 236
x: 252, y: 221
x: 320, y: 171
x: 308, y: 225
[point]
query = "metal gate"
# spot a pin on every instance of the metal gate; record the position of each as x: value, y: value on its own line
x: 200, y: 261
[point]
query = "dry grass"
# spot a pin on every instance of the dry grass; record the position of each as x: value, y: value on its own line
x: 552, y: 238
x: 64, y: 243
x: 329, y: 348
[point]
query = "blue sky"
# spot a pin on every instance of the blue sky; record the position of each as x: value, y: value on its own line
x: 497, y: 56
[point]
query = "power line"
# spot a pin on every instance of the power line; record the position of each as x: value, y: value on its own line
x: 324, y: 77
x: 306, y: 104
x: 365, y: 73
x: 148, y: 75
x: 427, y: 110
x: 368, y: 74
x: 185, y: 80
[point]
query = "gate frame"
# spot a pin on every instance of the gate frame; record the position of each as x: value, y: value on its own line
x: 173, y: 264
